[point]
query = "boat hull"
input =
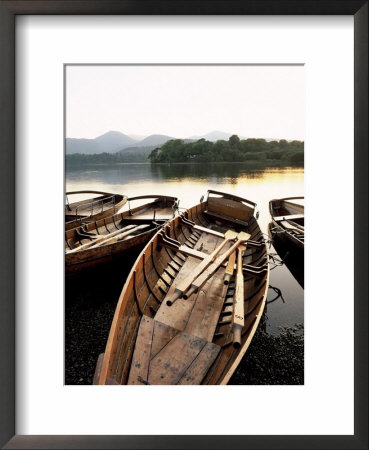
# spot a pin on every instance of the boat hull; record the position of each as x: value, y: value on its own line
x: 199, y: 327
x: 141, y: 223
x: 77, y: 262
x: 79, y: 213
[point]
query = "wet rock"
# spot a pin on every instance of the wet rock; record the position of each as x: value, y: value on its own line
x: 273, y: 359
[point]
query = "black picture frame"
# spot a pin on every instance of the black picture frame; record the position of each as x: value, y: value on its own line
x: 8, y: 11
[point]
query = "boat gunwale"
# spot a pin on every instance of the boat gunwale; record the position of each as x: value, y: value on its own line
x: 77, y: 219
x: 118, y: 215
x: 271, y: 204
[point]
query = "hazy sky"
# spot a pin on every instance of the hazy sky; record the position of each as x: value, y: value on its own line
x: 181, y: 101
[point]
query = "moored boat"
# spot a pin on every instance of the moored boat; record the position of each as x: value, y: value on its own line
x: 193, y: 299
x: 88, y: 210
x: 288, y: 221
x: 119, y: 235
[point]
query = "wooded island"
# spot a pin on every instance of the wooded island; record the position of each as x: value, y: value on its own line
x: 233, y: 150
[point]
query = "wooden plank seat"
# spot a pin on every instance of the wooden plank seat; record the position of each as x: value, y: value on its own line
x: 226, y: 218
x: 160, y: 213
x: 165, y: 355
x: 289, y: 217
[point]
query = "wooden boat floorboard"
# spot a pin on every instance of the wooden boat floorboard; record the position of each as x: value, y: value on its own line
x: 179, y: 313
x: 182, y: 358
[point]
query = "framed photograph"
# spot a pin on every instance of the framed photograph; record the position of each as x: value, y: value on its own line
x: 88, y: 82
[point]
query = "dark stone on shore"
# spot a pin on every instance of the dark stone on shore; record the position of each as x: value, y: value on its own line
x: 273, y: 359
x: 90, y: 302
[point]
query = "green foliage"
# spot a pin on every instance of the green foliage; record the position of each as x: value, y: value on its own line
x: 203, y: 151
x: 297, y: 158
x: 234, y: 141
x: 233, y: 150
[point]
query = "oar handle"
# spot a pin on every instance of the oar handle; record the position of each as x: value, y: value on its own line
x: 237, y: 329
x: 174, y: 297
x: 190, y: 291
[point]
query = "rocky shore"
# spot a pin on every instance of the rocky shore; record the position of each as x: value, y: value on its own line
x: 273, y: 359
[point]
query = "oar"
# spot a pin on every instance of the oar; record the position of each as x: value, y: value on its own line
x: 185, y: 284
x: 101, y: 238
x: 120, y: 236
x: 203, y: 278
x: 230, y: 268
x: 238, y: 301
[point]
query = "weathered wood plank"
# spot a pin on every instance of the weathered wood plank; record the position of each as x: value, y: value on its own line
x: 186, y: 283
x: 176, y: 316
x: 161, y: 336
x: 206, y: 311
x: 200, y: 366
x: 169, y: 365
x: 142, y: 351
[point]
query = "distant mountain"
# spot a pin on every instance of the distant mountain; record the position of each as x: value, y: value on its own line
x: 137, y: 149
x: 109, y: 142
x: 154, y: 139
x: 85, y: 146
x: 115, y: 141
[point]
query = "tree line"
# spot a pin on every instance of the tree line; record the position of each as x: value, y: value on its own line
x: 233, y: 150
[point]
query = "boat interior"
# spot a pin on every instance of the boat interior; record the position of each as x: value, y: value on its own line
x: 123, y: 225
x: 286, y: 211
x: 161, y: 337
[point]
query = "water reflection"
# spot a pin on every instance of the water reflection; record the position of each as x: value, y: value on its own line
x: 222, y: 172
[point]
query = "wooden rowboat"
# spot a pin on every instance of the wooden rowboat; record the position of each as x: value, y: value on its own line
x: 288, y: 221
x: 159, y: 337
x: 118, y: 235
x: 91, y: 209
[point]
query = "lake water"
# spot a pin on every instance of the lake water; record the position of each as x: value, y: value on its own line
x: 189, y: 182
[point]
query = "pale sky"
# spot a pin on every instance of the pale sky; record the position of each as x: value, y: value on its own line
x: 181, y: 101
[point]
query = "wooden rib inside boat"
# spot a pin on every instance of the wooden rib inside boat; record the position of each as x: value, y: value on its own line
x: 88, y: 210
x: 288, y: 220
x: 105, y: 239
x: 161, y: 336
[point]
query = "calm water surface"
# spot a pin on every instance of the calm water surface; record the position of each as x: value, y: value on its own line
x: 189, y: 183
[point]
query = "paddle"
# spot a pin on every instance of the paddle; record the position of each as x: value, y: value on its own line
x: 203, y: 278
x: 185, y: 284
x: 238, y: 301
x: 230, y: 268
x: 120, y: 236
x: 100, y: 239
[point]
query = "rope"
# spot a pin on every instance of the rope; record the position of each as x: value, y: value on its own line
x: 278, y: 292
x: 276, y: 261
